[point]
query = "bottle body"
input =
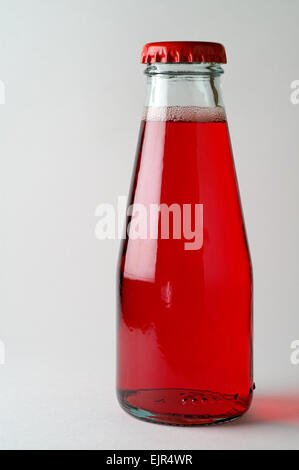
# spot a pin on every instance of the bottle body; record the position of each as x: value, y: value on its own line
x: 185, y: 307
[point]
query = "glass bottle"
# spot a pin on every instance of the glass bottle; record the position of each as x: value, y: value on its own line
x: 185, y: 278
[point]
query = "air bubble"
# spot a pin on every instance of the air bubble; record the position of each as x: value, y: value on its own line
x: 184, y: 114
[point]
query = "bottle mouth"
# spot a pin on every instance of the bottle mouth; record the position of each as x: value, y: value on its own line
x: 208, y: 69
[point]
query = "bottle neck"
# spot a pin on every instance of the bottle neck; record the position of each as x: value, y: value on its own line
x: 184, y: 85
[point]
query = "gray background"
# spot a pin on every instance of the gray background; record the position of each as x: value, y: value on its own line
x: 68, y: 132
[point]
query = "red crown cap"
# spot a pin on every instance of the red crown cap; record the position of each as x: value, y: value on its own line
x: 183, y: 52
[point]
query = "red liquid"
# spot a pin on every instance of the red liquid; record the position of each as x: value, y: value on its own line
x: 185, y: 317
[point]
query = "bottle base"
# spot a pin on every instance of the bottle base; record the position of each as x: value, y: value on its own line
x: 183, y: 407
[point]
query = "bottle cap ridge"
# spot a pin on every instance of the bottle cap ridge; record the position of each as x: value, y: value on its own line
x: 183, y: 52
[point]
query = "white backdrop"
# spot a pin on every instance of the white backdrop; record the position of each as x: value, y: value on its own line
x: 68, y: 133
